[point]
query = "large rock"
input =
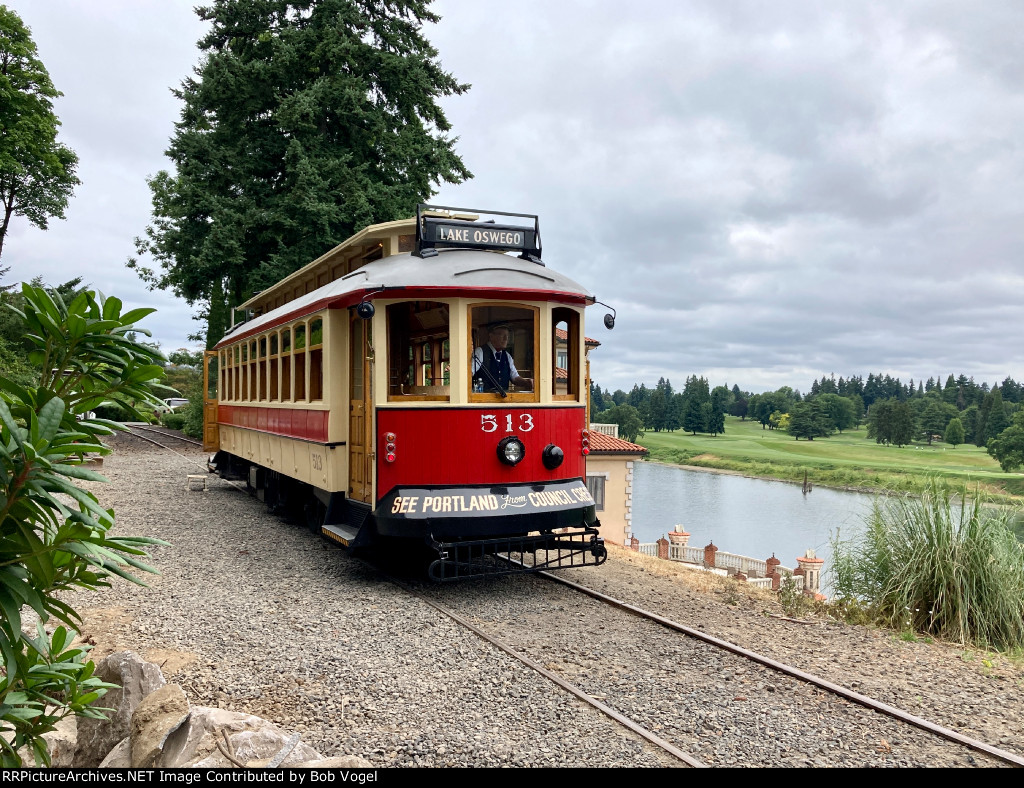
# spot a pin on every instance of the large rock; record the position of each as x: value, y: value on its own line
x: 136, y: 679
x: 156, y: 721
x: 251, y: 739
x: 120, y: 757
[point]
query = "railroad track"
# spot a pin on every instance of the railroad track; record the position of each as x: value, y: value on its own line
x: 817, y: 690
x: 137, y: 429
x: 593, y: 676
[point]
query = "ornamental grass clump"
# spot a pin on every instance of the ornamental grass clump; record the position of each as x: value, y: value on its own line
x: 944, y: 564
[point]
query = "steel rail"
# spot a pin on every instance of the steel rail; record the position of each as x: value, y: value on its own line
x: 789, y: 670
x: 147, y: 428
x: 130, y: 431
x: 638, y: 729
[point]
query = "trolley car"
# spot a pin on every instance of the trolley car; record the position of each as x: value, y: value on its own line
x: 424, y: 382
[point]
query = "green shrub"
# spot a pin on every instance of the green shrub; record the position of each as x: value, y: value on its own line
x: 174, y: 421
x: 949, y: 566
x: 55, y: 536
x: 113, y: 411
x: 192, y: 414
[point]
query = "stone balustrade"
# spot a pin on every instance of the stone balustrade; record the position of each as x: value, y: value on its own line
x: 768, y: 573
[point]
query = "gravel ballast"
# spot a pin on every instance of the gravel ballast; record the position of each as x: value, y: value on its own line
x: 254, y: 614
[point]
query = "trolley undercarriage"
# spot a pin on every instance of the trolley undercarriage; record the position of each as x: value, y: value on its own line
x: 491, y: 557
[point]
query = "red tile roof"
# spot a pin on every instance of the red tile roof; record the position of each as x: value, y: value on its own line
x: 606, y: 444
x: 562, y: 334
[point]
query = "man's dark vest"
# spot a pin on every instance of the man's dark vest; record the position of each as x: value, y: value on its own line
x: 500, y: 369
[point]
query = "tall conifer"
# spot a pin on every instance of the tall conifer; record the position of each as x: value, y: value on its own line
x: 306, y: 121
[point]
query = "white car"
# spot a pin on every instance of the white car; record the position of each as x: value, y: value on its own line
x: 172, y: 404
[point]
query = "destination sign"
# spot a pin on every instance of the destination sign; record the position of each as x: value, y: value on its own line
x: 426, y: 503
x: 438, y: 232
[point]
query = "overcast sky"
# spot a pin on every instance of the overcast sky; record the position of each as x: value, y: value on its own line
x: 765, y: 192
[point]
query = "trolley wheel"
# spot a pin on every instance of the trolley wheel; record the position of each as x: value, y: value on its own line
x: 315, y: 513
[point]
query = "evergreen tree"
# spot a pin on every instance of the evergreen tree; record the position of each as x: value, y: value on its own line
x: 969, y: 418
x: 657, y: 410
x: 954, y: 434
x: 638, y: 395
x: 981, y: 422
x: 856, y: 407
x: 935, y: 418
x: 891, y: 421
x: 903, y: 425
x: 950, y: 391
x: 37, y: 173
x: 693, y: 416
x: 811, y: 420
x: 997, y: 420
x: 674, y: 419
x: 307, y: 120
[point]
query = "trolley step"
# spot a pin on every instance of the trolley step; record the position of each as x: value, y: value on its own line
x: 340, y: 533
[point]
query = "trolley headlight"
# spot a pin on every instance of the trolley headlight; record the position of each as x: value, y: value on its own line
x: 511, y: 451
x: 552, y: 456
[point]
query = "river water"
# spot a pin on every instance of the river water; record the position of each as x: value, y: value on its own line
x: 751, y: 517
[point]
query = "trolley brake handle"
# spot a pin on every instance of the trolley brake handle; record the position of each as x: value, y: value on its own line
x: 495, y: 383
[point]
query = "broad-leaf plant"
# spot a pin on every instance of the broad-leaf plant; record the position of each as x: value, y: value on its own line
x: 55, y: 536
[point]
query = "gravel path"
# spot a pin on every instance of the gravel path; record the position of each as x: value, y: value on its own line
x: 256, y: 615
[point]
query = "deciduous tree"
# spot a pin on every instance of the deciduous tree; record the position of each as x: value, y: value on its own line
x: 37, y: 173
x: 1008, y: 447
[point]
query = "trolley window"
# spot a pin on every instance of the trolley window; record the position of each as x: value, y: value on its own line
x: 419, y: 350
x: 316, y: 359
x: 299, y: 356
x: 286, y: 365
x: 565, y: 353
x: 253, y: 373
x: 263, y: 368
x: 274, y: 366
x: 504, y: 342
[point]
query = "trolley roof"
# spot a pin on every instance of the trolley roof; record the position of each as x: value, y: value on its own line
x: 453, y: 272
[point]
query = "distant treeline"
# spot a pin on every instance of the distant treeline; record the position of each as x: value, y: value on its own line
x: 957, y: 411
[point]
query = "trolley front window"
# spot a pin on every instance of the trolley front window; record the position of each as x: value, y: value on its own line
x: 505, y: 351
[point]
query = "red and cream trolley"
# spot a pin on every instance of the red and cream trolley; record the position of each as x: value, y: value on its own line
x: 351, y: 394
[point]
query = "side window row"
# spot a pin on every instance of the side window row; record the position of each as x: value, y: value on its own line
x: 284, y: 365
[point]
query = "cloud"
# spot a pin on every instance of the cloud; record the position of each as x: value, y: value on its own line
x: 764, y: 192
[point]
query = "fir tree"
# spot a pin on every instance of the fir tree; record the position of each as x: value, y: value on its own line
x: 307, y: 120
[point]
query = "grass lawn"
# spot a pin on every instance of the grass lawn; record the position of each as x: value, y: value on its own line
x: 846, y: 460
